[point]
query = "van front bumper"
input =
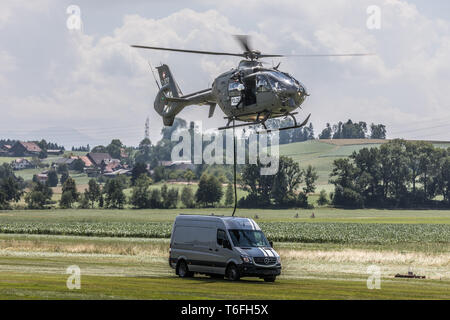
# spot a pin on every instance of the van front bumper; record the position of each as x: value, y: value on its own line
x: 251, y: 270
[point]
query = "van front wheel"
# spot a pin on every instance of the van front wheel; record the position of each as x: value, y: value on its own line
x: 183, y: 271
x: 232, y: 273
x: 270, y: 279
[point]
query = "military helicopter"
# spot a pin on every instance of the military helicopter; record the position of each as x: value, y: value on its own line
x: 250, y: 93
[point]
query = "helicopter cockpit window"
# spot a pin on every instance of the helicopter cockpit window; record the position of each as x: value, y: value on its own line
x: 262, y: 84
x: 279, y: 80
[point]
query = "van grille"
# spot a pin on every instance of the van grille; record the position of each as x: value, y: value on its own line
x: 265, y: 260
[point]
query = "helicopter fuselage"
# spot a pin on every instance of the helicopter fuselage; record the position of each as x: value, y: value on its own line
x: 252, y: 91
x: 249, y: 93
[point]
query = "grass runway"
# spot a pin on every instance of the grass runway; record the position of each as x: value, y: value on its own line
x: 33, y: 266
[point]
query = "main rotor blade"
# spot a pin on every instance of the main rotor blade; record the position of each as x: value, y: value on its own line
x: 243, y: 41
x: 330, y: 55
x: 191, y: 51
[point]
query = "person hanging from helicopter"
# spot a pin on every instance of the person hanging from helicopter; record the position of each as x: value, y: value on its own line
x: 241, y: 89
x: 236, y: 91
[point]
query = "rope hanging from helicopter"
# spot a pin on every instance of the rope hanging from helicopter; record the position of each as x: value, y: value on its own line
x: 234, y: 169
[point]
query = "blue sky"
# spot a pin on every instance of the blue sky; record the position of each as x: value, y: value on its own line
x: 90, y: 86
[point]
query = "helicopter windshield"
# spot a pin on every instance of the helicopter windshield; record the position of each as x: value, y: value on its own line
x: 280, y: 80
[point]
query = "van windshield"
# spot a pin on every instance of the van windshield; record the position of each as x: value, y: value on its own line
x: 248, y: 238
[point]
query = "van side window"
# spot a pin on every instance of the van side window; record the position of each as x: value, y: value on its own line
x: 221, y: 235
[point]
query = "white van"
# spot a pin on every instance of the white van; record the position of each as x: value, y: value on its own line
x: 222, y: 246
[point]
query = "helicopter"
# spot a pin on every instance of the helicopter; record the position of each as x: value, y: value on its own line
x: 250, y: 93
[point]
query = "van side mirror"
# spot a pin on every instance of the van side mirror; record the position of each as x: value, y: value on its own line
x: 271, y: 244
x: 226, y: 244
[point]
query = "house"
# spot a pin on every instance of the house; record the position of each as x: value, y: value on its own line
x: 87, y: 163
x: 67, y: 161
x: 97, y: 158
x: 111, y: 166
x: 177, y: 165
x: 22, y: 149
x: 55, y: 152
x: 42, y: 177
x: 22, y: 163
x: 5, y: 149
x: 116, y: 173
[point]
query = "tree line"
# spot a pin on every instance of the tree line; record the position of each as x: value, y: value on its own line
x: 398, y: 174
x: 279, y: 190
x: 353, y: 130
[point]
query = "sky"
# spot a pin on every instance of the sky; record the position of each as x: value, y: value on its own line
x: 89, y: 86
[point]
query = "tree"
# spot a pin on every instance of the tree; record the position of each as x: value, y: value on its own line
x: 187, y: 197
x: 167, y: 132
x: 326, y: 133
x: 172, y: 198
x: 159, y: 173
x: 144, y: 154
x: 114, y: 148
x: 52, y: 178
x: 165, y: 195
x: 69, y: 193
x: 114, y: 196
x: 93, y: 193
x: 311, y: 177
x: 323, y: 200
x: 140, y: 196
x: 38, y: 196
x: 209, y: 190
x: 139, y: 169
x: 64, y: 177
x: 10, y: 190
x: 155, y: 199
x: 345, y: 195
x: 229, y: 196
x: 286, y: 181
x: 189, y: 176
x: 78, y: 165
x: 259, y: 186
x: 99, y: 149
x: 377, y: 131
x: 66, y: 200
x: 84, y: 201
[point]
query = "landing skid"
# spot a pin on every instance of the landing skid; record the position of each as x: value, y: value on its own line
x: 263, y: 120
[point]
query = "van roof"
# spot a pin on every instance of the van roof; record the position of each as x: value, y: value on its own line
x: 230, y: 222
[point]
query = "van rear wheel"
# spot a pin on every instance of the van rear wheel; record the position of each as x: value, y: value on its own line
x: 232, y: 273
x: 183, y: 270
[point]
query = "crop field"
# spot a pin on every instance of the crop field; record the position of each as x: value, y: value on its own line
x: 350, y: 233
x: 123, y: 254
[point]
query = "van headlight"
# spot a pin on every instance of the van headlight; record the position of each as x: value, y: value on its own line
x: 246, y: 259
x: 279, y: 259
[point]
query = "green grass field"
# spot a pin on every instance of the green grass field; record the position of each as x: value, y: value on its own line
x: 33, y: 266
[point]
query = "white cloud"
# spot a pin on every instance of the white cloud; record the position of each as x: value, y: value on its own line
x: 104, y: 83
